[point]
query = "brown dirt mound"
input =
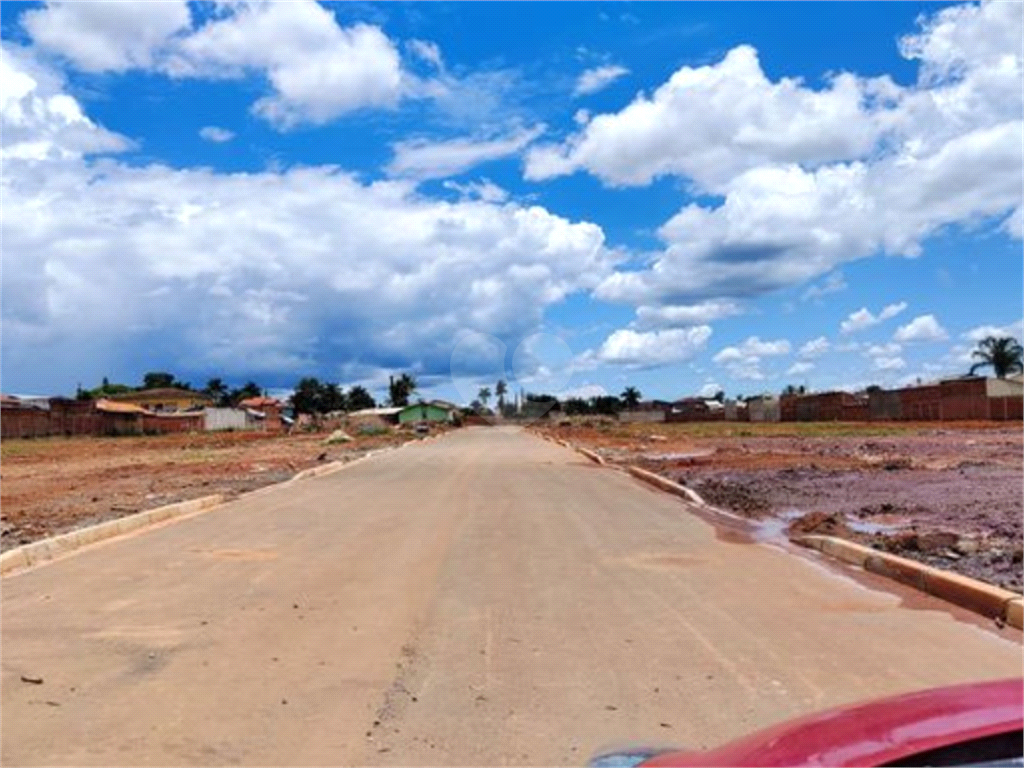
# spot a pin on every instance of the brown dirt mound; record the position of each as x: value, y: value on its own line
x: 735, y: 497
x: 821, y: 524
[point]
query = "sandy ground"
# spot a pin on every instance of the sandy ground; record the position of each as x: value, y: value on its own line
x: 483, y: 599
x: 948, y: 494
x: 53, y: 485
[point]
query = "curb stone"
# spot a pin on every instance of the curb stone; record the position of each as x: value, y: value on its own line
x: 594, y: 457
x: 972, y: 594
x: 985, y: 599
x: 1015, y: 613
x: 47, y: 549
x: 666, y: 485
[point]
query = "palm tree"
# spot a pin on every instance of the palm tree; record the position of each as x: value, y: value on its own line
x: 217, y: 389
x: 401, y: 389
x: 359, y: 398
x: 500, y: 389
x: 630, y: 397
x: 1004, y: 354
x: 484, y: 395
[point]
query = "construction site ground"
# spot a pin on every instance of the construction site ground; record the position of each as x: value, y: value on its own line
x: 948, y: 494
x: 53, y: 485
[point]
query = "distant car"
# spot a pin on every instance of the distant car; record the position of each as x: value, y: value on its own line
x: 422, y: 428
x: 978, y: 724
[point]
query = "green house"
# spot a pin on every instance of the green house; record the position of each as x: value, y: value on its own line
x: 426, y: 412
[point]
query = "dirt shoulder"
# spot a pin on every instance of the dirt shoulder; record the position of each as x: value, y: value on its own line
x: 53, y: 485
x: 947, y: 494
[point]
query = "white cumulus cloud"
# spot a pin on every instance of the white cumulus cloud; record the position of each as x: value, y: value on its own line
x: 423, y: 159
x: 317, y: 69
x: 710, y: 389
x: 598, y: 78
x: 889, y: 363
x: 428, y: 51
x: 1015, y: 330
x: 215, y: 134
x: 922, y: 328
x: 815, y: 347
x: 484, y: 189
x: 298, y: 270
x: 744, y: 360
x: 833, y: 283
x: 41, y: 122
x: 811, y: 178
x: 671, y: 316
x: 108, y: 36
x: 863, y: 319
x: 653, y: 348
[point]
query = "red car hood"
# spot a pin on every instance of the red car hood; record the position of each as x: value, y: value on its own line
x: 876, y: 733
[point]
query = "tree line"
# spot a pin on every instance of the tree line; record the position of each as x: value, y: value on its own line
x: 310, y: 396
x: 313, y: 396
x: 215, y: 389
x: 1003, y: 354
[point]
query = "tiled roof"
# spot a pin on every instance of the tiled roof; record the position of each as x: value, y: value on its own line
x: 109, y: 406
x: 258, y: 402
x: 167, y: 393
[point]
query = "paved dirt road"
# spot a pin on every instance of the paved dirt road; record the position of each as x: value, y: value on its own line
x: 488, y: 598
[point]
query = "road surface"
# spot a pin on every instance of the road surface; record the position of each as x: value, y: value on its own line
x: 488, y: 598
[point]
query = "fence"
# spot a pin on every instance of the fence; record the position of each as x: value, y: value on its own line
x: 27, y: 422
x: 80, y: 419
x: 225, y: 418
x: 695, y: 415
x: 171, y: 423
x: 824, y: 406
x: 764, y: 409
x: 645, y: 417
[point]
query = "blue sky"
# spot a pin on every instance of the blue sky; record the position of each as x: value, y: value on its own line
x: 574, y: 197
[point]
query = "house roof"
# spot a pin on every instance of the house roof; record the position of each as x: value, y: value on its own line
x: 376, y: 412
x: 258, y: 402
x: 109, y: 406
x: 444, y: 404
x: 170, y: 393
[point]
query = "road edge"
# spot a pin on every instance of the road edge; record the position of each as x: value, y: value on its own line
x: 44, y: 550
x: 48, y: 549
x: 975, y: 595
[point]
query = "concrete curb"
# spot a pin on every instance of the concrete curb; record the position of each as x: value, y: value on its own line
x: 591, y: 455
x: 47, y: 549
x: 666, y: 485
x: 330, y: 469
x: 986, y: 599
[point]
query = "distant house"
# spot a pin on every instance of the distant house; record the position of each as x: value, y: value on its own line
x: 436, y: 410
x: 736, y: 410
x: 960, y: 399
x: 696, y: 409
x: 824, y: 406
x: 259, y: 403
x: 164, y: 399
x: 446, y: 404
x: 120, y: 418
x: 265, y: 410
x: 763, y: 408
x: 27, y: 401
x: 371, y: 415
